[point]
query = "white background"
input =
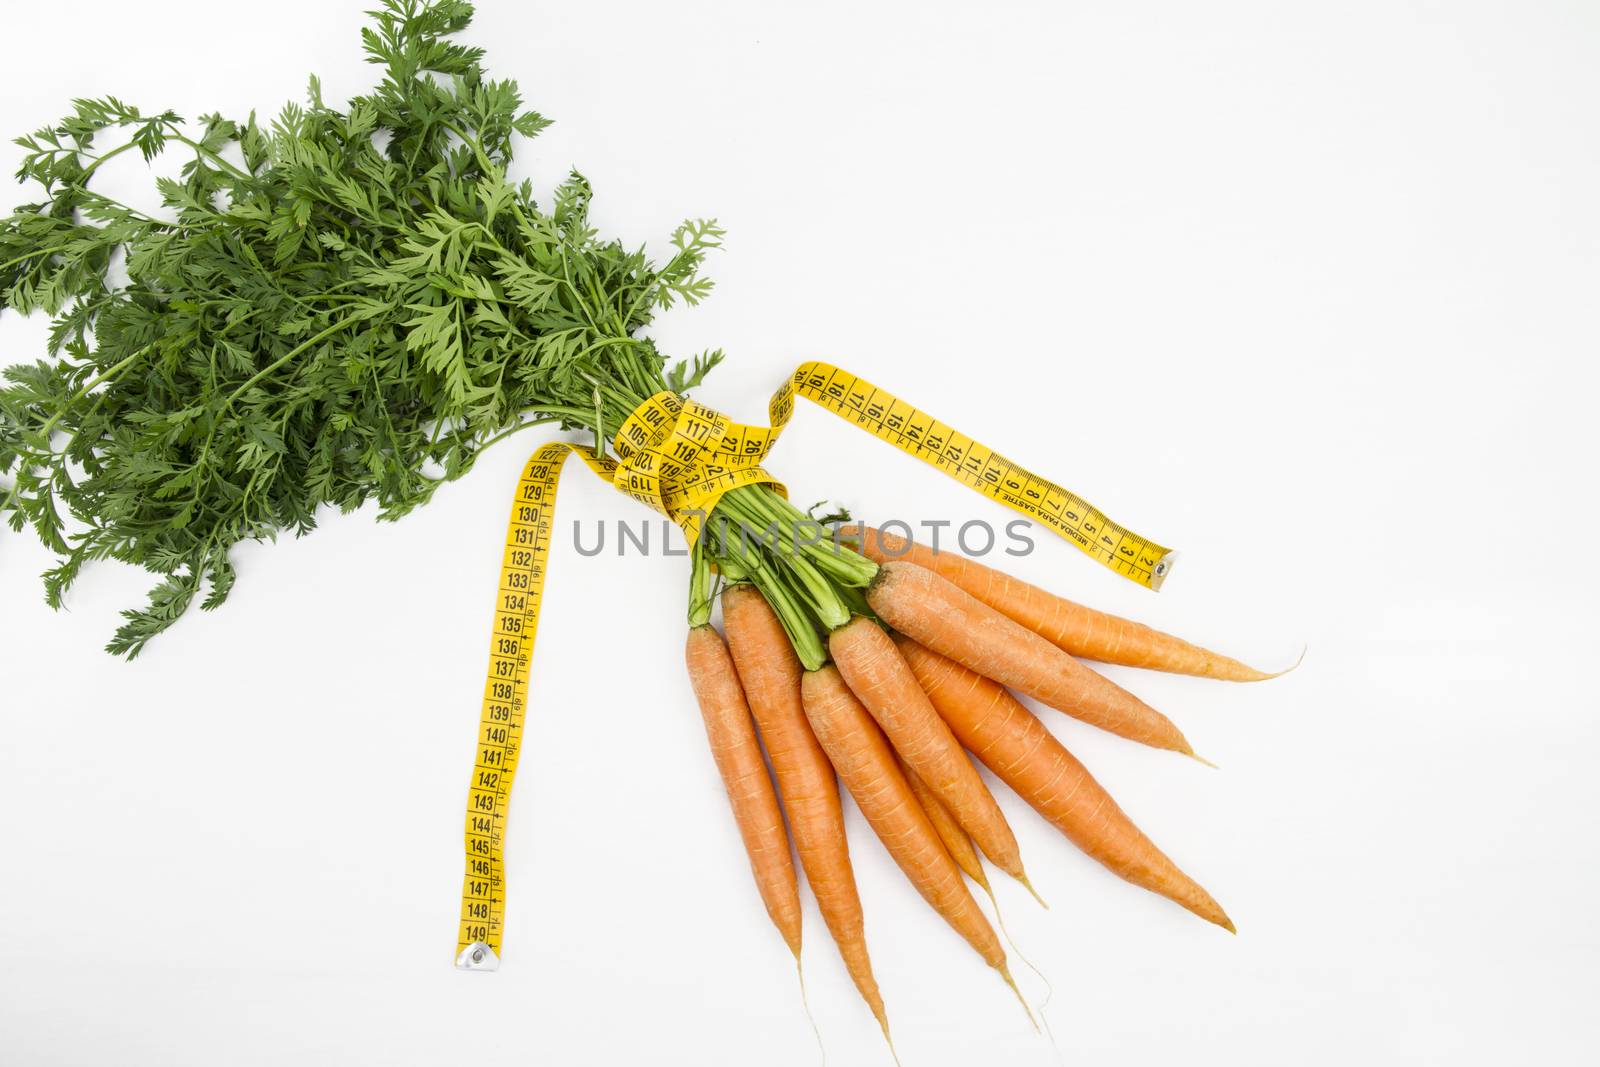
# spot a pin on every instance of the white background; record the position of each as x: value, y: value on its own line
x: 1307, y: 291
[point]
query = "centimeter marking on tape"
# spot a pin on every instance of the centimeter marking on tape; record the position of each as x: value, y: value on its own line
x: 976, y: 466
x: 505, y: 699
x: 702, y: 473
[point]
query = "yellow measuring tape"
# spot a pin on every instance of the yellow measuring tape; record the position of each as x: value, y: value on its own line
x: 679, y: 457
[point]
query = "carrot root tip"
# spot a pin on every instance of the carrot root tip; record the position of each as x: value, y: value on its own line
x: 1298, y: 660
x: 1005, y: 972
x: 1049, y: 990
x: 1029, y: 887
x: 1267, y: 676
x: 1202, y: 759
x: 883, y: 1023
x: 805, y: 1003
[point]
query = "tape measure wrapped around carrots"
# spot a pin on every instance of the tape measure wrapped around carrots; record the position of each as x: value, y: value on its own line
x: 683, y: 459
x: 348, y: 306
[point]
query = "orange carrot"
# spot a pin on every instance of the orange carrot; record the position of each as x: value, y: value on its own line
x: 873, y: 669
x: 1015, y: 745
x: 1071, y: 627
x: 936, y: 614
x: 738, y: 756
x: 959, y: 845
x: 770, y: 673
x: 956, y: 841
x: 865, y: 762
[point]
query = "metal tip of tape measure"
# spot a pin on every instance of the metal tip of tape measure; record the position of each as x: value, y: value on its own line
x: 1162, y: 569
x: 477, y: 956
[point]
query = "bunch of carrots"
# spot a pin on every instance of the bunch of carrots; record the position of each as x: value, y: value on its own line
x: 350, y: 306
x: 911, y: 689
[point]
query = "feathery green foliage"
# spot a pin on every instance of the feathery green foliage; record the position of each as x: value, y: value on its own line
x: 338, y: 306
